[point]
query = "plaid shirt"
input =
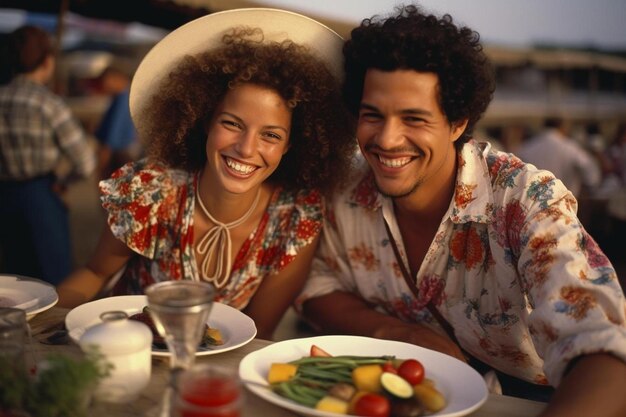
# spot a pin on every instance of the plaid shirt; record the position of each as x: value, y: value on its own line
x: 36, y: 129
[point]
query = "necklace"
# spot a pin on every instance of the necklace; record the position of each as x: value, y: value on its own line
x: 216, y: 242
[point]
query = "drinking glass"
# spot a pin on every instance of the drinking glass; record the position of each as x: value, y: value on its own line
x: 206, y: 390
x: 13, y: 337
x: 180, y: 310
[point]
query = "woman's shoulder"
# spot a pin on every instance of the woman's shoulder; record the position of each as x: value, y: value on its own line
x: 145, y: 176
x: 308, y: 202
x: 298, y: 214
x: 144, y: 201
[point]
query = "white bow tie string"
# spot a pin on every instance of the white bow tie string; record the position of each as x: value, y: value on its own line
x: 216, y: 242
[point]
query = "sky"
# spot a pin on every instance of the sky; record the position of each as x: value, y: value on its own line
x: 599, y: 24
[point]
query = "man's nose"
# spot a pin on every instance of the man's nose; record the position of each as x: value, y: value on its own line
x: 390, y: 134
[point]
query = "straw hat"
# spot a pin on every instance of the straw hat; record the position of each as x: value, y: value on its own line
x: 206, y: 32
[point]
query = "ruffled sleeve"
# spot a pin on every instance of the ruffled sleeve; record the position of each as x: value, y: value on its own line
x: 146, y: 203
x: 295, y: 220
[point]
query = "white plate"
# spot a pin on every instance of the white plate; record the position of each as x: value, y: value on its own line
x: 463, y: 387
x: 29, y: 294
x: 236, y: 328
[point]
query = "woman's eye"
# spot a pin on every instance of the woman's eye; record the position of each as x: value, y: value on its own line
x: 369, y: 116
x: 231, y: 123
x: 272, y: 136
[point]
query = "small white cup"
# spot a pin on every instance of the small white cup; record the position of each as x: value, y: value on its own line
x: 127, y: 345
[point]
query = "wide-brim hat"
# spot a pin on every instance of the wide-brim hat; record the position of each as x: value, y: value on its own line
x: 205, y: 33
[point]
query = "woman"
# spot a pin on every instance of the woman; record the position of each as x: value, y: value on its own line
x: 242, y: 141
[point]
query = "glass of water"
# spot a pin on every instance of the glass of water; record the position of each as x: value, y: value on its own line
x: 13, y: 338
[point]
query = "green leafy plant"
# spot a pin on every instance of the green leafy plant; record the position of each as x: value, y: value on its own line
x: 61, y: 387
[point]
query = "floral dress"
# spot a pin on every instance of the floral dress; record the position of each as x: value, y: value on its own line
x: 511, y: 269
x: 150, y: 208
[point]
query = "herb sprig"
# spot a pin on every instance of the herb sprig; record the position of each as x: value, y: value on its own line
x: 62, y: 385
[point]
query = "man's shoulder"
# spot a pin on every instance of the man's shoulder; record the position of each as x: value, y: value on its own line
x: 507, y: 171
x: 513, y: 179
x: 359, y: 189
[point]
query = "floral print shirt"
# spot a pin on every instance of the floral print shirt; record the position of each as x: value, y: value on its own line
x: 511, y: 268
x: 150, y: 208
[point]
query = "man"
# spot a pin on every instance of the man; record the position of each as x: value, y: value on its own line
x: 553, y: 150
x: 442, y: 243
x: 37, y: 130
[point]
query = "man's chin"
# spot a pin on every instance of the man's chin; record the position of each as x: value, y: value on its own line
x: 396, y: 192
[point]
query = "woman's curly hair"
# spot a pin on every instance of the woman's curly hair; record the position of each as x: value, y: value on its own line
x: 321, y: 139
x: 424, y: 43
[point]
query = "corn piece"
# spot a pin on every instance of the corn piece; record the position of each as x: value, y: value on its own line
x: 332, y: 404
x: 281, y: 372
x: 367, y: 378
x: 430, y: 397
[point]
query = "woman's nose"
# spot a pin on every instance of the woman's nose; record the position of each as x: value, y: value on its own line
x: 246, y: 144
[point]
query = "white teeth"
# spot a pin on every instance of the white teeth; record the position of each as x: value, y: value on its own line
x: 239, y: 167
x: 394, y: 162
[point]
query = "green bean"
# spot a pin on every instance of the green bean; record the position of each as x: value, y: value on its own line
x: 337, y: 366
x: 303, y: 390
x: 351, y: 361
x: 326, y: 375
x: 285, y: 390
x: 313, y: 382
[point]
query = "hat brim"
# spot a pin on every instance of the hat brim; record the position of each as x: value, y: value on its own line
x: 207, y: 32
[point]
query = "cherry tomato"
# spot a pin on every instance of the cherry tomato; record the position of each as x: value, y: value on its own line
x: 372, y: 405
x: 411, y: 370
x: 388, y: 367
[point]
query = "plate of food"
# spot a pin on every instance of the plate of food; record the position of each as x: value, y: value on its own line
x: 325, y: 375
x: 29, y: 294
x: 227, y: 327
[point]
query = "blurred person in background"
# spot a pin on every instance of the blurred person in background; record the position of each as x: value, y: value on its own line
x: 37, y: 133
x: 556, y: 152
x: 615, y: 184
x: 116, y: 134
x: 615, y: 155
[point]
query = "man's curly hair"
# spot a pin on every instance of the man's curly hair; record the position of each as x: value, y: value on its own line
x: 321, y: 142
x: 425, y: 43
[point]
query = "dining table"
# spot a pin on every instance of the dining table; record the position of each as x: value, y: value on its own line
x: 148, y: 402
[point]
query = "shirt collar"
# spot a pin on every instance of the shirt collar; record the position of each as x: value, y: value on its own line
x: 473, y: 196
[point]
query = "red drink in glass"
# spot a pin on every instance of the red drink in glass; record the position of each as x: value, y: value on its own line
x: 207, y: 391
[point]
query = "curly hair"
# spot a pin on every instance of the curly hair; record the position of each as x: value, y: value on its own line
x: 424, y: 43
x: 321, y: 139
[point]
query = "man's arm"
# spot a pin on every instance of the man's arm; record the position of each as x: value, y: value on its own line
x: 344, y: 313
x: 594, y: 386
